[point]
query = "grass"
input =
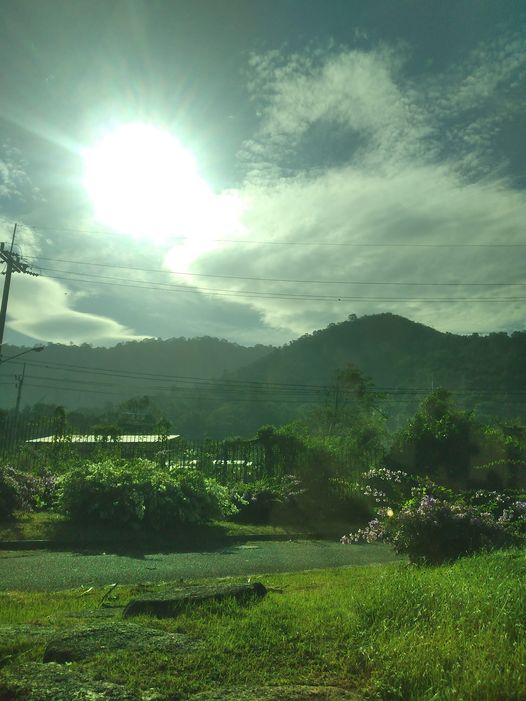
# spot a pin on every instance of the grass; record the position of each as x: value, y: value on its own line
x: 54, y: 527
x: 454, y: 632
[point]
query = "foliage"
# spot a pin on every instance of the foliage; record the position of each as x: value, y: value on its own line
x: 256, y: 501
x: 387, y: 487
x: 492, y: 501
x: 433, y: 531
x: 9, y: 493
x: 347, y: 424
x: 501, y: 458
x: 436, y: 525
x: 439, y: 441
x: 24, y: 491
x: 392, y: 631
x: 139, y: 492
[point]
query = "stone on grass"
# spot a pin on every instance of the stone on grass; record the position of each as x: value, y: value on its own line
x: 55, y: 682
x: 85, y: 641
x: 278, y: 693
x: 174, y: 602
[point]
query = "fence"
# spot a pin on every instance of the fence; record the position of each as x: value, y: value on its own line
x: 30, y: 445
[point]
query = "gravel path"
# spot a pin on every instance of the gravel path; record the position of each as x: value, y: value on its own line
x: 43, y: 570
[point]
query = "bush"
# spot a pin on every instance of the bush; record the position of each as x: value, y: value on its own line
x: 23, y: 491
x: 492, y: 501
x: 139, y: 492
x: 10, y: 497
x: 432, y: 531
x: 338, y: 500
x: 258, y: 501
x: 435, y: 525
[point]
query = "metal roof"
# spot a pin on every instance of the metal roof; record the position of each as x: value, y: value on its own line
x: 80, y: 438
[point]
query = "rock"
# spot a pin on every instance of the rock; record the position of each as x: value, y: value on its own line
x: 176, y: 601
x: 278, y: 693
x: 82, y: 642
x: 55, y: 682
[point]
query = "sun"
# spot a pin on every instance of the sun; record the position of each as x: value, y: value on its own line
x: 142, y: 182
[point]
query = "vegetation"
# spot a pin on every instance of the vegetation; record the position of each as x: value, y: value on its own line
x: 140, y: 493
x: 311, y: 469
x: 432, y: 524
x: 211, y: 383
x: 444, y: 490
x: 391, y: 632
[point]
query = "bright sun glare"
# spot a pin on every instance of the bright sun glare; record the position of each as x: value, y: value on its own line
x: 142, y: 182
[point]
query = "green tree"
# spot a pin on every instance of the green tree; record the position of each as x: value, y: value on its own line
x: 348, y: 425
x: 439, y: 441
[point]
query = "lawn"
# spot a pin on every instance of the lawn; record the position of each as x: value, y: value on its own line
x: 55, y: 527
x: 391, y: 631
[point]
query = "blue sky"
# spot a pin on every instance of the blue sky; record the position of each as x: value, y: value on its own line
x: 362, y: 150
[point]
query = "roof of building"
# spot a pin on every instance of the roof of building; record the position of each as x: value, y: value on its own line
x: 98, y: 438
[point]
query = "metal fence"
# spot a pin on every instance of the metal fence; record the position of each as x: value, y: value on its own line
x: 49, y: 444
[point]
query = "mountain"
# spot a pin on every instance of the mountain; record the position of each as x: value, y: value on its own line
x: 405, y: 361
x: 210, y: 387
x: 83, y: 376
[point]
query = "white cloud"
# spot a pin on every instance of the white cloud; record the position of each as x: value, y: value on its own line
x: 40, y: 308
x: 14, y: 179
x: 410, y: 179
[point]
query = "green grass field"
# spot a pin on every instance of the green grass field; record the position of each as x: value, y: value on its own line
x: 54, y: 527
x: 394, y: 631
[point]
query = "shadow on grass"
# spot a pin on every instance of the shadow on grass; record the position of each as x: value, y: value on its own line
x: 57, y: 534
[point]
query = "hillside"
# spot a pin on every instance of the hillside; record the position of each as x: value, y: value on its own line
x: 406, y: 360
x: 83, y: 376
x: 210, y: 387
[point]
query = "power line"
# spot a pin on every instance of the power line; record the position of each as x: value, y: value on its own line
x: 126, y: 374
x: 262, y: 279
x: 160, y: 287
x: 244, y: 385
x: 211, y: 398
x: 349, y: 244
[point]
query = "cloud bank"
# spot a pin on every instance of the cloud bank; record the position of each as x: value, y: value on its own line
x: 40, y: 308
x: 351, y: 150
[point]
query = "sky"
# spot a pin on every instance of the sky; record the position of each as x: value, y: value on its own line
x: 258, y: 169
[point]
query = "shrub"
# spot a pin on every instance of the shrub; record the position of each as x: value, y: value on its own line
x: 435, y: 525
x: 257, y: 501
x: 10, y: 497
x: 432, y: 530
x: 24, y: 491
x: 492, y: 501
x: 139, y: 492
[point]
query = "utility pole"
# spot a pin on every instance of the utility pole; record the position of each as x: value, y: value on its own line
x: 15, y: 264
x: 19, y: 385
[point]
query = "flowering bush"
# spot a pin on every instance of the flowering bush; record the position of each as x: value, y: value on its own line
x: 432, y: 530
x: 387, y: 486
x: 24, y: 491
x: 139, y: 492
x: 434, y: 525
x: 514, y: 518
x: 493, y: 501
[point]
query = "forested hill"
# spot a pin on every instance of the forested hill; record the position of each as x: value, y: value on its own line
x: 84, y: 376
x: 210, y: 387
x: 395, y: 351
x: 406, y: 360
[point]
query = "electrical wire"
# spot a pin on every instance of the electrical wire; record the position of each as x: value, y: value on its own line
x: 222, y: 386
x: 270, y: 295
x: 348, y: 244
x: 264, y: 279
